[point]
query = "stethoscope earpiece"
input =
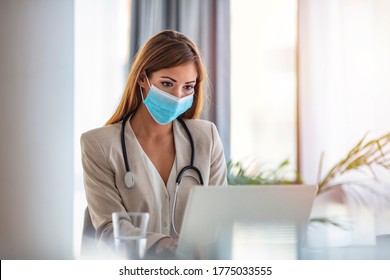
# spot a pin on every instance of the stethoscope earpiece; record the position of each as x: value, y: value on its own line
x: 129, y: 180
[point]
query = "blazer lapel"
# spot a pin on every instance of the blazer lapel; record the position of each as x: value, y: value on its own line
x: 182, y: 146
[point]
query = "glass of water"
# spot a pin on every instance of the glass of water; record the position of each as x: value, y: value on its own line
x: 130, y: 230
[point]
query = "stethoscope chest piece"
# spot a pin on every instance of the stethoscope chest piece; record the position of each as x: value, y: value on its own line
x: 129, y: 180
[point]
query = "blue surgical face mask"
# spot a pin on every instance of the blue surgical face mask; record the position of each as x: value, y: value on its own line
x: 165, y: 107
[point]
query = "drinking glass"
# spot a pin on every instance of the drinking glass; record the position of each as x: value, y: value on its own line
x: 130, y: 230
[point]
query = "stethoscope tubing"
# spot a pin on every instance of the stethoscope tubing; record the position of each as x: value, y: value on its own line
x: 129, y: 177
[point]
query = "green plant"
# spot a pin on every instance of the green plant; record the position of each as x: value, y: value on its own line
x: 375, y: 152
x: 368, y: 154
x: 252, y: 175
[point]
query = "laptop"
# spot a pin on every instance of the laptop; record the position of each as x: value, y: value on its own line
x: 245, y: 222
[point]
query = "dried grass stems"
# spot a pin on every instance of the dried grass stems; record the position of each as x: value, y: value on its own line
x: 372, y: 153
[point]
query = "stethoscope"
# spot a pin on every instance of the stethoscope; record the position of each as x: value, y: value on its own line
x: 129, y: 177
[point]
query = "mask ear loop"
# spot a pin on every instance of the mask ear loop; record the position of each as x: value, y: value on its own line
x: 140, y: 88
x: 142, y: 94
x: 147, y: 79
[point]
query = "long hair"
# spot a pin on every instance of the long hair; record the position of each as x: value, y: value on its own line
x: 166, y: 49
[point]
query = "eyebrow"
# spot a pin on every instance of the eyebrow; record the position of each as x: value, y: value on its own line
x: 166, y: 77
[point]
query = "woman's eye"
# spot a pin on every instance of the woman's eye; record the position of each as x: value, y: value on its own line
x: 166, y: 84
x: 189, y: 87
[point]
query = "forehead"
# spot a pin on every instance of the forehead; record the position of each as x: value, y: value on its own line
x: 184, y: 73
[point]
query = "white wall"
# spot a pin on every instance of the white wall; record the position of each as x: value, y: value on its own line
x: 102, y: 32
x: 36, y: 126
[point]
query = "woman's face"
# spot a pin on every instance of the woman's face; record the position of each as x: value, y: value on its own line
x: 179, y: 81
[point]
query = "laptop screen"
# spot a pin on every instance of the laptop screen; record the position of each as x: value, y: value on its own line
x: 245, y: 222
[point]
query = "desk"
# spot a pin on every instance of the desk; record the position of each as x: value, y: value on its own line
x: 271, y: 250
x: 380, y: 251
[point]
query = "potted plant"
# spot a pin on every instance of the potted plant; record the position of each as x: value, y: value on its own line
x: 365, y: 155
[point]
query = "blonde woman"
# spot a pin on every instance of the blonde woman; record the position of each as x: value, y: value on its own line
x: 154, y: 148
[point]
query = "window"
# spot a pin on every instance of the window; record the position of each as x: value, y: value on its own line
x: 264, y: 81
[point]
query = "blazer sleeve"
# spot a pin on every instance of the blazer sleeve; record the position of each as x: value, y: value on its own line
x: 218, y: 168
x: 99, y: 182
x: 102, y: 194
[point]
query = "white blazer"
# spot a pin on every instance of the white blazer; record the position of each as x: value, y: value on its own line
x: 104, y: 171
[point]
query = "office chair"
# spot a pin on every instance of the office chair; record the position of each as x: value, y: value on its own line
x: 88, y: 240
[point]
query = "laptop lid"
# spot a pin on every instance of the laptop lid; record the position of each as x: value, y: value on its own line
x: 245, y: 222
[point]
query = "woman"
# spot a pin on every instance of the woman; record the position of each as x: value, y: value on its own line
x: 165, y: 86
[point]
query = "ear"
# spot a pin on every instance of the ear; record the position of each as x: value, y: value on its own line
x: 142, y: 80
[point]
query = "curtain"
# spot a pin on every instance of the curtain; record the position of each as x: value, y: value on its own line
x: 207, y: 24
x: 344, y: 48
x: 345, y: 93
